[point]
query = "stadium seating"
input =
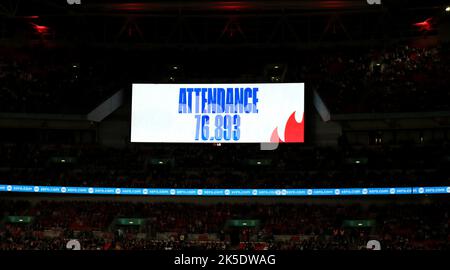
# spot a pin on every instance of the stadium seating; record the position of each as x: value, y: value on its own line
x: 227, y: 166
x: 361, y: 80
x: 181, y: 226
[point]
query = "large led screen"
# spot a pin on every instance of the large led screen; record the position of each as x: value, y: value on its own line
x: 213, y: 113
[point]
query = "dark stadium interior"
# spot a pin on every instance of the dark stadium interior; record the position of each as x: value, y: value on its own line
x: 226, y: 166
x: 377, y: 110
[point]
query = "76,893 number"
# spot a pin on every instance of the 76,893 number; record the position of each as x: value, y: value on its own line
x: 226, y: 127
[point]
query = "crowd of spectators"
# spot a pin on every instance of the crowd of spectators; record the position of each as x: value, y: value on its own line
x: 53, y: 81
x: 225, y: 166
x: 398, y: 78
x: 306, y: 226
x: 394, y: 79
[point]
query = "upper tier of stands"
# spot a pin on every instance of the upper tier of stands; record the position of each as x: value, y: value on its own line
x: 225, y: 166
x: 397, y: 78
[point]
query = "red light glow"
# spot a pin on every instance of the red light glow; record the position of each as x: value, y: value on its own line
x: 41, y: 29
x: 137, y: 7
x: 425, y: 25
x: 231, y: 6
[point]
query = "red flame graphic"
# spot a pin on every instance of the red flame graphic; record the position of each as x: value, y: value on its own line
x: 293, y: 131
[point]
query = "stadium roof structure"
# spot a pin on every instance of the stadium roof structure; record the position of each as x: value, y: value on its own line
x: 113, y: 7
x: 208, y: 24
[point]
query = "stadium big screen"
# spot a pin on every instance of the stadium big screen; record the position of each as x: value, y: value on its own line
x: 206, y: 113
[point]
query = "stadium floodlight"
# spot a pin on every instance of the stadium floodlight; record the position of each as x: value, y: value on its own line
x: 447, y: 9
